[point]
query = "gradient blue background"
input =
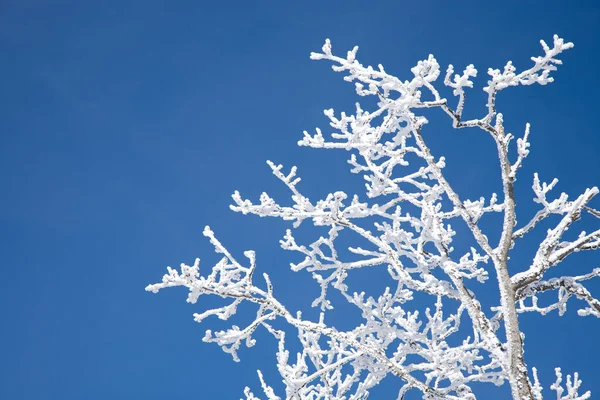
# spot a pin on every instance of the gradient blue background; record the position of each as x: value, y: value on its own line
x: 126, y: 125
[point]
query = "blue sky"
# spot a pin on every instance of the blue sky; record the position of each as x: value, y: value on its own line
x: 126, y: 125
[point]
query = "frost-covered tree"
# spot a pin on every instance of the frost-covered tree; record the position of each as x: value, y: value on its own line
x: 388, y: 147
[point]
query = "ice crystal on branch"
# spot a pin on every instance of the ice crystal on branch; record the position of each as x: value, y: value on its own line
x: 425, y: 351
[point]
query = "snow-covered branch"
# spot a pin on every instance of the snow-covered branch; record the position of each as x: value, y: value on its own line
x: 553, y: 249
x: 429, y: 351
x: 566, y: 287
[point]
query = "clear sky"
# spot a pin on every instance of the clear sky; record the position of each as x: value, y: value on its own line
x: 126, y: 125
